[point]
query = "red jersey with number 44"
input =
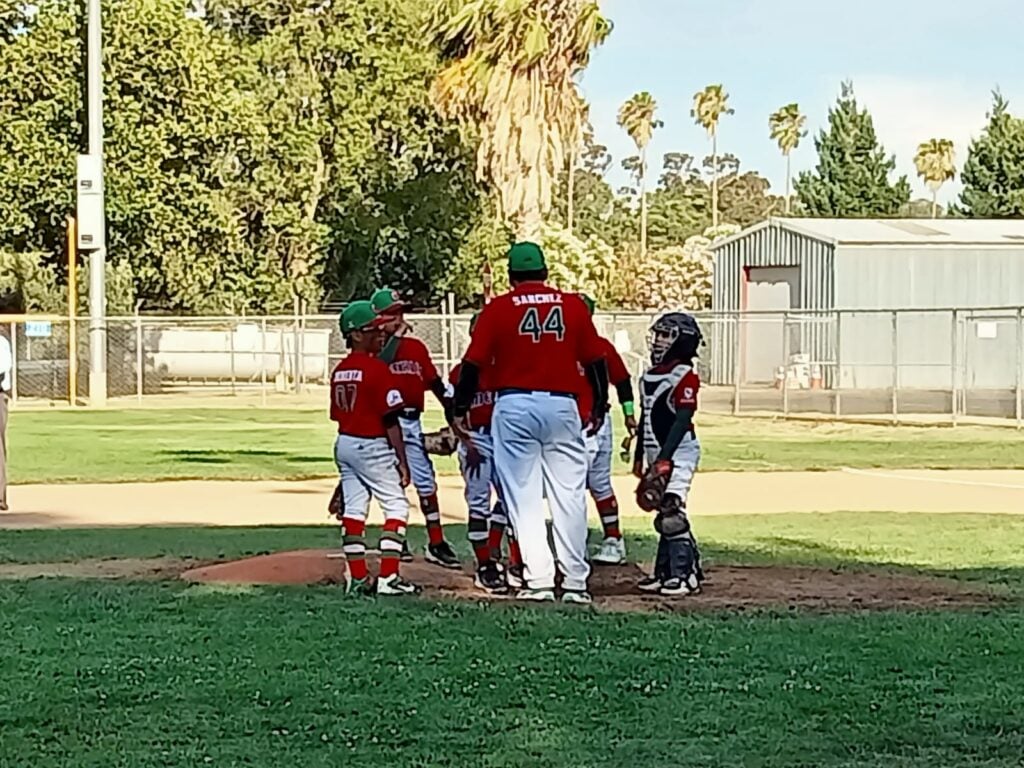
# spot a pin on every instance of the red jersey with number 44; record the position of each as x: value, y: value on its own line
x: 534, y: 338
x: 617, y: 373
x: 411, y: 364
x: 363, y: 392
x: 483, y: 401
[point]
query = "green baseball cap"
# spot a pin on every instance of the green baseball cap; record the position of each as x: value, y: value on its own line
x: 589, y: 302
x: 387, y: 299
x: 526, y: 257
x: 357, y: 316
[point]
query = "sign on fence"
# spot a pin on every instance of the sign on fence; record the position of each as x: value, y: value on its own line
x: 38, y: 329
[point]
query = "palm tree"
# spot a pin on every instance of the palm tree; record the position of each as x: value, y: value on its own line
x: 787, y: 127
x: 636, y: 117
x: 509, y: 78
x: 708, y: 107
x: 936, y: 164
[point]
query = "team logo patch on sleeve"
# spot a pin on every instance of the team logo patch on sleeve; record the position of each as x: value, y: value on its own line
x: 394, y: 398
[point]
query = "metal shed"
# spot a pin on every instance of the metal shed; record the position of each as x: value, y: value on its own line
x: 866, y: 297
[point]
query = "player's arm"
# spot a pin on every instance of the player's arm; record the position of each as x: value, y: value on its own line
x: 685, y: 398
x: 619, y: 376
x: 597, y: 376
x: 591, y: 355
x: 682, y: 425
x: 480, y: 352
x: 394, y: 432
x: 465, y: 389
x: 638, y: 451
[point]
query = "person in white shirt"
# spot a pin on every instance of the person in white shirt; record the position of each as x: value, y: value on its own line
x: 6, y: 364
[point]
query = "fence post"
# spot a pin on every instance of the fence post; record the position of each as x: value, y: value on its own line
x: 737, y: 371
x: 446, y: 338
x: 837, y: 385
x: 954, y: 354
x: 231, y: 352
x: 140, y: 359
x: 296, y: 360
x: 785, y: 363
x: 895, y: 365
x: 262, y: 361
x: 1020, y: 367
x: 14, y: 362
x: 453, y: 343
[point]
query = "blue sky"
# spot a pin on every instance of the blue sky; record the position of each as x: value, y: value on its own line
x: 924, y: 68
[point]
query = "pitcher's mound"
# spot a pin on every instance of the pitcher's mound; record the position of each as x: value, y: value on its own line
x: 728, y: 587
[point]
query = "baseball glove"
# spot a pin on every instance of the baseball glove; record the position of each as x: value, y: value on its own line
x: 652, y: 486
x: 336, y: 506
x: 441, y: 443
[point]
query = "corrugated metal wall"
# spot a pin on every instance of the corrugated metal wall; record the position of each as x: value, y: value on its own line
x: 773, y: 246
x: 927, y: 278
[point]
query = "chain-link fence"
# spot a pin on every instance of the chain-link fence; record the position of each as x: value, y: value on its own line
x: 890, y: 364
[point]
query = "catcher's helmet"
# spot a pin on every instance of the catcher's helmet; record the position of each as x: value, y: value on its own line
x: 675, y: 336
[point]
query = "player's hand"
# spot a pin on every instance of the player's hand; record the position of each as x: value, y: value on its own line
x: 626, y: 453
x: 594, y: 424
x: 460, y: 425
x: 473, y: 459
x: 631, y: 425
x: 403, y: 474
x: 638, y: 469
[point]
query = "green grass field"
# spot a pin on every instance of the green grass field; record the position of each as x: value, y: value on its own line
x: 241, y: 444
x: 161, y: 674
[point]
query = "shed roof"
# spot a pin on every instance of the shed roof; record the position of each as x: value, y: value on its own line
x: 898, y: 231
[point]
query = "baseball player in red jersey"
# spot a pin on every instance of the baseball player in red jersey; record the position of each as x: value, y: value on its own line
x: 369, y: 452
x: 531, y: 340
x: 410, y: 361
x: 476, y: 461
x: 600, y: 450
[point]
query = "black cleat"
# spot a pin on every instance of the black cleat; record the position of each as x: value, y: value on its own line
x: 650, y: 584
x: 514, y: 576
x: 406, y: 556
x: 490, y: 580
x: 443, y: 555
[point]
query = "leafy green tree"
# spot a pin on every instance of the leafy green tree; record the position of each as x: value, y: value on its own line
x: 993, y: 176
x: 851, y: 178
x: 636, y: 118
x: 509, y: 79
x: 354, y: 179
x: 709, y: 105
x: 787, y: 128
x: 935, y: 161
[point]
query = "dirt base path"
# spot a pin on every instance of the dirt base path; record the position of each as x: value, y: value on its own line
x: 715, y: 493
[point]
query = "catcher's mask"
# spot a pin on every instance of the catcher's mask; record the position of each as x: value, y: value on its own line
x: 675, y: 336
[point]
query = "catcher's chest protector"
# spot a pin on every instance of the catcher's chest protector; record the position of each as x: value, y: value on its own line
x: 656, y: 390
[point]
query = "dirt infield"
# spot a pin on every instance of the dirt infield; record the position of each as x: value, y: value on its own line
x: 614, y: 588
x: 303, y: 503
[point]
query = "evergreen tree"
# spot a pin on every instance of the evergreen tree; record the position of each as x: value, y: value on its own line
x: 993, y: 175
x: 852, y: 175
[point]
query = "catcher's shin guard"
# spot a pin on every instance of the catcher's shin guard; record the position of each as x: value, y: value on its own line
x: 661, y: 564
x: 682, y: 555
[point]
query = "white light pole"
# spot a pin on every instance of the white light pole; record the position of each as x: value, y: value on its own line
x: 95, y: 217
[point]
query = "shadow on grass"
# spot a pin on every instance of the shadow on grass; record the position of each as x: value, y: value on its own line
x: 212, y: 456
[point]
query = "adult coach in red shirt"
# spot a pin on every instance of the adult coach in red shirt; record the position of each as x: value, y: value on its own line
x: 532, y: 340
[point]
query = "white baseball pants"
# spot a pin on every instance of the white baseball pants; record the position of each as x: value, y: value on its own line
x: 538, y: 452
